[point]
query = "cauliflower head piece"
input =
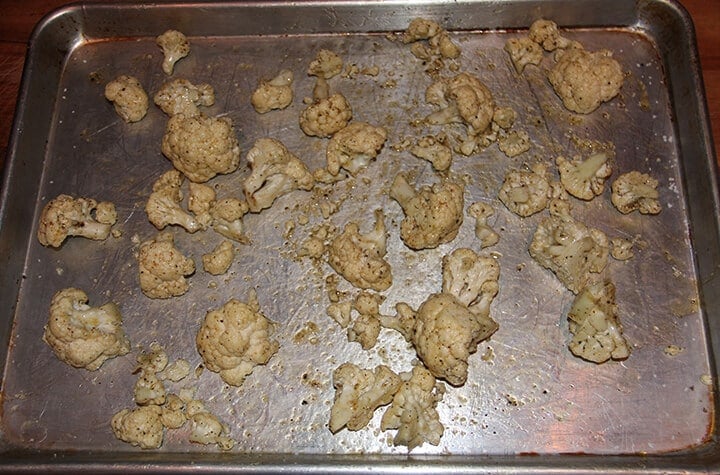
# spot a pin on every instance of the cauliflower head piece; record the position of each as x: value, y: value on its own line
x: 163, y: 267
x: 277, y: 93
x: 523, y: 51
x: 219, y: 260
x: 353, y: 146
x: 546, y: 34
x: 175, y: 46
x: 326, y: 116
x: 128, y: 96
x: 483, y: 232
x: 180, y: 96
x: 84, y: 336
x: 326, y: 64
x: 462, y: 99
x: 584, y: 179
x: 227, y: 218
x: 140, y: 427
x: 164, y: 206
x: 435, y: 150
x: 65, y: 216
x: 526, y: 192
x: 636, y: 191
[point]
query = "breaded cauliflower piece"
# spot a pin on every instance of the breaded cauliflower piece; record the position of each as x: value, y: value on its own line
x: 175, y: 46
x: 180, y: 96
x: 435, y: 150
x: 164, y: 206
x: 220, y: 259
x: 163, y: 268
x: 546, y: 34
x: 275, y: 172
x: 326, y: 64
x: 596, y: 330
x: 485, y: 234
x: 201, y: 147
x: 583, y: 80
x: 236, y: 338
x: 359, y: 258
x: 433, y: 215
x: 326, y: 116
x: 277, y: 93
x: 526, y: 192
x: 584, y: 179
x: 636, y: 191
x: 567, y: 247
x: 227, y: 215
x: 353, y: 146
x: 84, y: 336
x: 462, y: 99
x: 139, y: 427
x: 523, y: 51
x: 413, y: 411
x: 128, y: 96
x: 65, y: 216
x: 358, y: 392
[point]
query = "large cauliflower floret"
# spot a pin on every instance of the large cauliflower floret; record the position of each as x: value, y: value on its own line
x: 227, y: 219
x: 201, y: 147
x: 180, y: 96
x: 326, y: 64
x: 163, y: 268
x: 129, y: 98
x: 236, y: 338
x: 84, y: 336
x: 597, y: 333
x: 526, y: 192
x: 584, y: 179
x: 569, y: 248
x: 584, y: 80
x: 164, y: 204
x: 326, y: 116
x: 413, y: 411
x: 359, y: 258
x: 358, y: 392
x: 433, y: 215
x: 175, y: 46
x: 523, y: 51
x: 275, y: 172
x: 464, y: 99
x: 65, y: 216
x: 277, y: 93
x: 354, y: 146
x: 636, y: 191
x: 435, y: 150
x: 140, y: 427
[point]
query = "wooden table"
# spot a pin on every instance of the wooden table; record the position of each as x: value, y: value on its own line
x: 19, y: 17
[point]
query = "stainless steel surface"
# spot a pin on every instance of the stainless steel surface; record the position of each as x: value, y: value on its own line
x: 532, y: 397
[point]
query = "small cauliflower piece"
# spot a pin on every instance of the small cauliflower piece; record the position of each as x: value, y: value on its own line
x: 220, y: 259
x: 84, y: 336
x: 340, y: 312
x: 485, y: 234
x: 140, y: 427
x: 326, y: 64
x: 526, y: 192
x: 622, y: 249
x: 201, y: 198
x: 359, y: 258
x: 596, y: 330
x: 514, y: 143
x: 413, y: 411
x: 149, y: 390
x: 152, y: 361
x: 635, y: 191
x: 227, y: 215
x: 435, y: 150
x: 420, y: 29
x: 583, y: 80
x: 164, y: 206
x: 206, y: 427
x: 129, y: 98
x: 444, y: 45
x: 180, y: 96
x: 353, y: 146
x: 523, y: 51
x: 201, y: 147
x: 358, y: 392
x: 163, y: 267
x: 175, y: 46
x: 584, y: 179
x: 277, y: 93
x: 326, y: 116
x: 175, y: 371
x: 433, y: 215
x: 236, y: 338
x: 365, y: 331
x: 462, y: 99
x: 172, y: 413
x: 65, y: 216
x: 275, y: 172
x: 546, y: 34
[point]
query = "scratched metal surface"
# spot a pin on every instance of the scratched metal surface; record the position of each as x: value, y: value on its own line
x: 531, y: 396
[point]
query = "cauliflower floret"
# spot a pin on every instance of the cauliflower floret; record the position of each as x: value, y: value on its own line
x: 149, y: 390
x: 622, y: 249
x: 365, y: 331
x: 420, y: 29
x: 140, y: 427
x: 443, y: 45
x: 358, y: 392
x: 636, y: 191
x: 84, y: 336
x: 326, y: 116
x: 462, y: 99
x: 326, y: 64
x: 485, y: 234
x: 236, y: 338
x: 569, y: 248
x: 163, y: 207
x: 152, y: 361
x: 219, y: 260
x: 227, y: 217
x: 340, y: 312
x: 180, y: 96
x: 172, y: 413
x: 359, y: 258
x: 129, y: 98
x: 413, y: 411
x: 206, y: 427
x: 584, y: 179
x: 201, y: 198
x: 545, y: 33
x: 433, y: 215
x: 163, y: 268
x: 175, y: 46
x: 514, y: 143
x: 472, y: 279
x: 276, y: 93
x: 435, y: 150
x: 353, y: 146
x: 65, y: 216
x: 526, y: 192
x: 201, y: 147
x: 275, y: 172
x: 596, y: 330
x: 523, y: 51
x: 584, y: 80
x: 175, y: 371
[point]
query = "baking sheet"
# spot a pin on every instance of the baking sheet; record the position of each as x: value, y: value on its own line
x: 532, y: 396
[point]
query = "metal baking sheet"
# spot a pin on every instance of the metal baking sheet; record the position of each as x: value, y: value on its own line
x: 532, y: 406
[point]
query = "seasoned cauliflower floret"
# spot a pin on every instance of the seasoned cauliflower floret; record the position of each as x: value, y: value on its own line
x: 220, y: 259
x: 621, y: 249
x: 65, y: 216
x: 140, y: 427
x: 526, y: 192
x: 353, y: 146
x: 584, y: 80
x: 584, y: 179
x: 201, y: 147
x: 365, y: 330
x: 485, y: 234
x: 129, y: 98
x: 180, y: 96
x: 163, y: 268
x: 236, y: 338
x: 435, y: 150
x: 84, y: 336
x: 636, y: 191
x: 175, y: 46
x: 172, y: 414
x: 546, y: 34
x: 514, y: 143
x: 206, y: 427
x: 326, y: 64
x: 326, y: 116
x: 523, y: 51
x: 433, y: 215
x: 164, y: 208
x: 201, y: 198
x: 420, y: 29
x: 277, y: 93
x: 227, y: 219
x: 149, y: 390
x: 596, y: 330
x: 275, y: 172
x: 358, y: 392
